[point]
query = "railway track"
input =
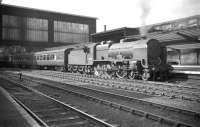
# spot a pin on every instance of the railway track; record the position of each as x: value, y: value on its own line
x: 155, y: 112
x: 50, y: 112
x: 151, y: 88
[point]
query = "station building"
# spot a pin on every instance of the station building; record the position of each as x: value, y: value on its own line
x: 33, y: 28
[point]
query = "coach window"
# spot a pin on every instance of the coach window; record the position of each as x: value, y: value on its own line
x: 52, y: 57
x: 48, y: 57
x: 41, y: 58
x: 44, y: 57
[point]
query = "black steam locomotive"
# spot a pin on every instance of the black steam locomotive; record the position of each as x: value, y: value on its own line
x: 142, y: 59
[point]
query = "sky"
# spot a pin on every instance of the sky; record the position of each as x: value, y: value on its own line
x: 118, y: 13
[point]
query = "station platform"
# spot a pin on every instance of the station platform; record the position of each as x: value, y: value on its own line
x: 12, y: 114
x: 191, y: 70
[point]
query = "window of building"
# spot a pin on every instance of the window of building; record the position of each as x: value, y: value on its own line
x: 36, y: 29
x: 70, y: 32
x: 11, y: 27
x: 10, y: 21
x: 181, y: 25
x: 10, y: 34
x: 193, y: 22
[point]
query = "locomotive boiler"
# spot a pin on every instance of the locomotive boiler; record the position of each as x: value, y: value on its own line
x: 143, y: 59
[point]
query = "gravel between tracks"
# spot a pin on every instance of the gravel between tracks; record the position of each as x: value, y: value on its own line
x: 101, y: 111
x: 148, y: 108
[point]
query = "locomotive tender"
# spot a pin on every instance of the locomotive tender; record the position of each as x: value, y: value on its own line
x: 144, y: 59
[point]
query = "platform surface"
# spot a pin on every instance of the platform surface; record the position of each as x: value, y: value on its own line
x: 11, y: 114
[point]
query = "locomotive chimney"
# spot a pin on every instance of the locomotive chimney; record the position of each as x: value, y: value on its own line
x: 143, y: 32
x: 104, y: 28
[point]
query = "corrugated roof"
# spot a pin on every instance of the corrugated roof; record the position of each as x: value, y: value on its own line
x: 110, y: 31
x: 186, y: 34
x: 190, y: 34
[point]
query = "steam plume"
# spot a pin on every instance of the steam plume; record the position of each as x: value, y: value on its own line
x: 145, y: 8
x: 190, y: 7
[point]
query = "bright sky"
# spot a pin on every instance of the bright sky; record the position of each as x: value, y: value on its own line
x: 118, y: 13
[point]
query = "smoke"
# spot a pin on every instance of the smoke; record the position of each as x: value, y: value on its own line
x: 157, y: 11
x: 190, y: 7
x: 145, y: 8
x: 191, y: 2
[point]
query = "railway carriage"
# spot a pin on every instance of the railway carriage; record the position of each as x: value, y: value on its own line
x: 55, y: 59
x: 25, y: 60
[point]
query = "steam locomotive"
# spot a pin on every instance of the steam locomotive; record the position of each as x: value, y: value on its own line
x: 142, y: 59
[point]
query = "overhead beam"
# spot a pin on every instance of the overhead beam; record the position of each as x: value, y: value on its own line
x: 190, y: 38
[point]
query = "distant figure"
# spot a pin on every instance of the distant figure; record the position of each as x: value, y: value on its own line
x: 139, y: 67
x: 20, y: 76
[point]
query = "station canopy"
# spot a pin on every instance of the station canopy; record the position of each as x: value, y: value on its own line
x: 185, y: 46
x: 186, y: 30
x: 190, y: 35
